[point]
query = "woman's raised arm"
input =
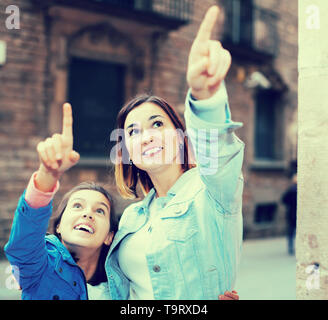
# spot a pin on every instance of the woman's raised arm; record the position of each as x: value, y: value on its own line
x: 218, y: 151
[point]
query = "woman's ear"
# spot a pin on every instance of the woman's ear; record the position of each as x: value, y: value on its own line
x: 109, y: 238
x: 57, y: 228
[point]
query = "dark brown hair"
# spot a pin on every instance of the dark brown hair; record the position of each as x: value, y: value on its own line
x: 128, y: 175
x: 100, y: 274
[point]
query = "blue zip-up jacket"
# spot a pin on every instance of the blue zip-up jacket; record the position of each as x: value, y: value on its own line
x: 196, y: 254
x: 43, y: 267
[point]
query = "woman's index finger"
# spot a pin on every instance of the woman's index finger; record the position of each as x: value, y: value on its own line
x: 207, y: 25
x: 67, y: 121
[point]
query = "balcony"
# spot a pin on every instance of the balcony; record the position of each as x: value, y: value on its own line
x: 170, y: 14
x: 250, y: 32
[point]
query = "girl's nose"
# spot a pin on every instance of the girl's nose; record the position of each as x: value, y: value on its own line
x: 88, y: 216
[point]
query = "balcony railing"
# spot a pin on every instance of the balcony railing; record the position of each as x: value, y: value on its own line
x: 250, y: 29
x: 167, y: 13
x: 176, y: 9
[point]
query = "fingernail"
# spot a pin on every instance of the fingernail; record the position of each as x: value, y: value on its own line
x: 58, y: 156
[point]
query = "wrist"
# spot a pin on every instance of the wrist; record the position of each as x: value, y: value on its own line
x: 198, y: 94
x: 206, y: 93
x: 46, y: 180
x: 202, y: 94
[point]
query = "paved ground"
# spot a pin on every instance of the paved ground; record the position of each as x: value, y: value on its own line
x: 266, y: 273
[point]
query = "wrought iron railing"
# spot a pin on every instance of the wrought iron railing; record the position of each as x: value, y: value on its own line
x: 250, y: 26
x: 176, y: 9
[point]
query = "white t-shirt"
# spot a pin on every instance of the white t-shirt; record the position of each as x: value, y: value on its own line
x: 98, y: 292
x: 132, y: 254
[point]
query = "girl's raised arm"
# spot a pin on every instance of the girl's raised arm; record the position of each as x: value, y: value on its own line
x: 26, y: 248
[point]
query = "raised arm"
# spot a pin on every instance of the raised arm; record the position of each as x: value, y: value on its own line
x: 218, y: 151
x: 26, y: 246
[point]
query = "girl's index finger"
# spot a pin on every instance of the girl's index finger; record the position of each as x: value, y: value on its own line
x: 207, y: 25
x: 67, y: 121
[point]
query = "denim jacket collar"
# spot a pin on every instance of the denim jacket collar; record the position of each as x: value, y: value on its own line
x: 61, y: 248
x: 181, y: 182
x: 178, y: 185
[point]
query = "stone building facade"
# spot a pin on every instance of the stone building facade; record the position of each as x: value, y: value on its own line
x: 99, y: 54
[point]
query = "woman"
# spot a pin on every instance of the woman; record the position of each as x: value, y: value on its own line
x: 183, y: 240
x: 68, y: 264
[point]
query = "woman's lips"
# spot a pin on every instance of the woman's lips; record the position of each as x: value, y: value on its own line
x: 152, y: 151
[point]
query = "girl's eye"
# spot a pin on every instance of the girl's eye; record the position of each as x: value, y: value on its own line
x: 157, y: 124
x: 133, y: 132
x: 101, y: 211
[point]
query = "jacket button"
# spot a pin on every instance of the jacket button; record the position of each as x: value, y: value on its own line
x: 156, y: 268
x: 74, y: 283
x: 60, y: 270
x: 55, y: 297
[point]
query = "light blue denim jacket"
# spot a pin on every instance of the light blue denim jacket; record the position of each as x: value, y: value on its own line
x: 202, y: 217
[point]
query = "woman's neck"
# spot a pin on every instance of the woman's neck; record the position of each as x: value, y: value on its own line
x: 164, y: 179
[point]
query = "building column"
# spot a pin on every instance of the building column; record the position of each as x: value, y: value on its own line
x: 312, y: 212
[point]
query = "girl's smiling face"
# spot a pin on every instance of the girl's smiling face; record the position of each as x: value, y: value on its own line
x: 86, y: 220
x: 151, y: 137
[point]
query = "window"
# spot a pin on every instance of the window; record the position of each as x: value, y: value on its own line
x: 121, y: 3
x: 267, y: 133
x: 250, y: 31
x: 265, y: 213
x: 239, y: 21
x: 96, y: 92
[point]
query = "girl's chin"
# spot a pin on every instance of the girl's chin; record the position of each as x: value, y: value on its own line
x: 72, y: 242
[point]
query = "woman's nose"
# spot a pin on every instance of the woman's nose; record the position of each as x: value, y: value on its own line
x: 147, y: 137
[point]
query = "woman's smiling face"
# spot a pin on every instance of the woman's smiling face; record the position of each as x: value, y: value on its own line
x: 151, y: 137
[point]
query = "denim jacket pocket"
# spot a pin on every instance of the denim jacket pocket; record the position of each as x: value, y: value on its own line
x: 182, y: 224
x: 181, y: 235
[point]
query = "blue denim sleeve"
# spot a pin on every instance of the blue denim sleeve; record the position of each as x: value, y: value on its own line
x: 218, y: 151
x: 26, y: 249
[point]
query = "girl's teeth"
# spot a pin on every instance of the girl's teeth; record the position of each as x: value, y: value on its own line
x: 81, y: 226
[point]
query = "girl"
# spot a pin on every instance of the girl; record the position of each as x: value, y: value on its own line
x: 183, y: 240
x: 70, y: 263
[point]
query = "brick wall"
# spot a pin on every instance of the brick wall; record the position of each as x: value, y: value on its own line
x: 33, y: 87
x: 22, y: 113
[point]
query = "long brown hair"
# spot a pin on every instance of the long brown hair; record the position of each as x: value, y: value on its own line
x: 100, y: 273
x: 127, y: 175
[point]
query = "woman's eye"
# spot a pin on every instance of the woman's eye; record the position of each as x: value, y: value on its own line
x: 157, y: 124
x: 101, y: 211
x: 77, y: 205
x: 133, y: 132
